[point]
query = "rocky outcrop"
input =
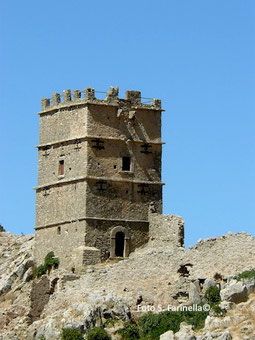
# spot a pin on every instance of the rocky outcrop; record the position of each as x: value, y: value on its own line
x: 187, y: 333
x: 234, y: 292
x: 81, y: 315
x: 156, y: 274
x: 169, y: 335
x: 16, y: 259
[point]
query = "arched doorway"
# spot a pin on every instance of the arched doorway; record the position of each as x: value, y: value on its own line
x: 119, y: 244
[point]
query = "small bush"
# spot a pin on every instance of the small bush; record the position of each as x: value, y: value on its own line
x: 40, y: 270
x: 50, y: 261
x: 130, y: 331
x: 248, y: 274
x: 212, y: 295
x: 72, y: 334
x: 98, y: 333
x: 151, y: 326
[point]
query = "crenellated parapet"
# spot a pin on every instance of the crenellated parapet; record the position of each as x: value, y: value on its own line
x: 89, y: 95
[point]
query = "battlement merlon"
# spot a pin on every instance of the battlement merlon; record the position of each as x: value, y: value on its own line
x: 88, y: 96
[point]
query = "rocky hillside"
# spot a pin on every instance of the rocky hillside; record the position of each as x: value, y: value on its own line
x: 156, y: 274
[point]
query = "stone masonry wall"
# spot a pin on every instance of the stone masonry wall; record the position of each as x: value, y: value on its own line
x: 61, y: 203
x: 107, y: 121
x: 63, y: 123
x: 82, y: 185
x: 108, y: 162
x: 121, y: 201
x: 75, y: 162
x: 64, y: 244
x: 98, y: 235
x: 225, y: 255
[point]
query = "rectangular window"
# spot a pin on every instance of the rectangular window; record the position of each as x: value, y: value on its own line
x: 61, y: 167
x: 126, y: 163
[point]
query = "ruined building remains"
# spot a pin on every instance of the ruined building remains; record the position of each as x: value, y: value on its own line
x: 99, y: 174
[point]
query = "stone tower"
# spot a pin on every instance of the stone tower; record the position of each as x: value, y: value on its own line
x: 99, y: 174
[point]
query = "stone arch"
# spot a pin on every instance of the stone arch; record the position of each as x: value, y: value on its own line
x: 119, y: 230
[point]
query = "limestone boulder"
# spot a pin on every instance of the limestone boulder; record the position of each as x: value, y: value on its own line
x: 212, y: 323
x: 169, y: 335
x: 185, y: 333
x: 235, y: 292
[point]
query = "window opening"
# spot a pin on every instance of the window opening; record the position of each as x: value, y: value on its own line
x: 126, y: 163
x: 61, y: 167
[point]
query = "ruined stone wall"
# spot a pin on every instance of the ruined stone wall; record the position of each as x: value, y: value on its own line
x: 61, y: 203
x: 226, y: 255
x: 64, y: 244
x: 90, y: 255
x: 166, y: 229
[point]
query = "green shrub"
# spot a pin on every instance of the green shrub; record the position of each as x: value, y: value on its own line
x: 248, y: 274
x: 212, y: 295
x: 130, y: 331
x: 40, y: 270
x: 72, y: 334
x: 151, y: 326
x: 98, y: 333
x: 50, y: 261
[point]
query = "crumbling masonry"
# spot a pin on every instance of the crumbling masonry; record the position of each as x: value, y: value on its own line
x: 99, y: 175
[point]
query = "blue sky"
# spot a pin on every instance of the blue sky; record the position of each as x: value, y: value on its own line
x: 197, y: 56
